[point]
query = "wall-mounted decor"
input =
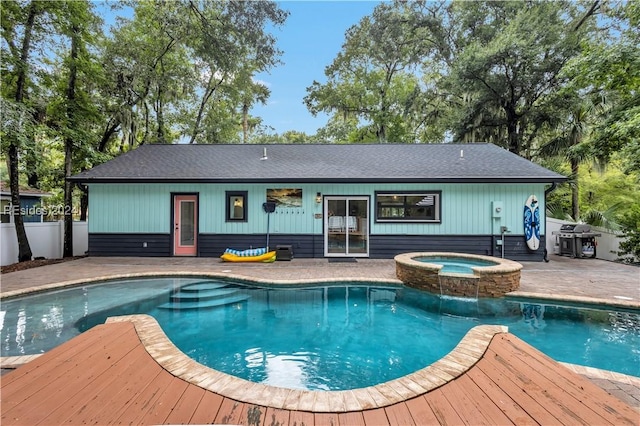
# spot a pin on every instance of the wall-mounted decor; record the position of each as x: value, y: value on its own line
x: 285, y: 197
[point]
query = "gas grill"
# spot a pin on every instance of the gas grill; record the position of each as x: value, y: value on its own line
x: 576, y: 240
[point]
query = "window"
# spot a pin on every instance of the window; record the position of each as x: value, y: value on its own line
x: 408, y: 207
x: 236, y: 206
x: 5, y: 216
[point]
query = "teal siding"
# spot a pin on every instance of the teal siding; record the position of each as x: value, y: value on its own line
x: 146, y: 208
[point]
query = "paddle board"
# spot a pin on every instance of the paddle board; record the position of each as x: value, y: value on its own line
x: 532, y: 222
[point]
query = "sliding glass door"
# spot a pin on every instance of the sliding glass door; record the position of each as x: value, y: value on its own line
x: 346, y: 226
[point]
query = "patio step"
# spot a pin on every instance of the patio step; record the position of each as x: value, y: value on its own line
x: 204, y: 285
x: 211, y: 303
x: 189, y: 296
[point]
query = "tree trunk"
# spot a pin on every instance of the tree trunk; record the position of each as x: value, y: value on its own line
x: 245, y: 122
x: 512, y: 131
x: 24, y: 249
x: 575, y: 190
x: 84, y: 202
x: 68, y: 147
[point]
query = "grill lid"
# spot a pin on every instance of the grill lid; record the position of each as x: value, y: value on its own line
x: 576, y: 228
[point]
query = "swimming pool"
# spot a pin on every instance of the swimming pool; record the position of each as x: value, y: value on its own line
x: 458, y: 265
x: 344, y: 335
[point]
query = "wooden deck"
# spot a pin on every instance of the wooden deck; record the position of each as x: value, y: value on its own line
x: 106, y: 376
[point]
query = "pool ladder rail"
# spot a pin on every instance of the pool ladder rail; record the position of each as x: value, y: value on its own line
x: 206, y: 294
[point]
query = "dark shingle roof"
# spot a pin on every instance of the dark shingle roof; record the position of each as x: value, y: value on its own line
x: 478, y: 162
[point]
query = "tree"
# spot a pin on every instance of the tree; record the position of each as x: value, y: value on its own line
x: 73, y: 114
x: 570, y: 143
x: 609, y: 68
x: 372, y: 79
x: 505, y: 61
x: 165, y: 57
x: 15, y: 15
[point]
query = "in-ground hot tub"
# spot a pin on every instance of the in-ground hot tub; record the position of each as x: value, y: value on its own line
x: 458, y: 274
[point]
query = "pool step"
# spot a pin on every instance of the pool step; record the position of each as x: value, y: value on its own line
x: 206, y: 294
x: 188, y: 296
x: 205, y: 303
x: 204, y: 285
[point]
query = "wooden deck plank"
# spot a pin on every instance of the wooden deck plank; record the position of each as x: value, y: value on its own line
x: 353, y: 418
x: 161, y: 407
x: 503, y: 381
x: 229, y: 412
x: 51, y: 387
x: 208, y: 408
x: 579, y: 388
x: 133, y: 387
x: 186, y: 405
x: 464, y: 405
x: 325, y: 419
x: 442, y: 409
x: 112, y: 390
x: 86, y: 345
x: 466, y: 390
x: 145, y: 398
x: 276, y: 417
x: 421, y: 411
x: 81, y: 343
x: 398, y: 414
x: 252, y: 415
x: 301, y: 418
x: 553, y: 393
x: 84, y: 404
x: 503, y: 401
x: 377, y: 417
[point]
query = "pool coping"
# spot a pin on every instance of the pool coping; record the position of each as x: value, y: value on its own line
x: 71, y: 283
x: 458, y: 361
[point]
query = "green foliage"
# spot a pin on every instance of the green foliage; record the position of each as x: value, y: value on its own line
x: 373, y: 79
x: 630, y: 243
x: 609, y: 67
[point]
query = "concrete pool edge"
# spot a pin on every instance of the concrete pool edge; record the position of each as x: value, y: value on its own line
x: 464, y: 356
x: 185, y: 274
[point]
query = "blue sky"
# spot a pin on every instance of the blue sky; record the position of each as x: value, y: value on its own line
x: 310, y: 39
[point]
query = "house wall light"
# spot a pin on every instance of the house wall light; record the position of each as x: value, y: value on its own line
x: 318, y: 197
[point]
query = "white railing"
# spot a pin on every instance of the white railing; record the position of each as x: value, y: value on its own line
x: 46, y: 239
x: 608, y: 243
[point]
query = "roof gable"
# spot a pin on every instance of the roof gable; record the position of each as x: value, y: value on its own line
x: 319, y: 163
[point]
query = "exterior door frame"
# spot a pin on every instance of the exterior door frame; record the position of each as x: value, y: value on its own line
x: 176, y: 248
x: 363, y: 228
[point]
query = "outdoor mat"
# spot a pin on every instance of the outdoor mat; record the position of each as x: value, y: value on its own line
x: 342, y: 260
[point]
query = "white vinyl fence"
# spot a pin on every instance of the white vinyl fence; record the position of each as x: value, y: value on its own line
x: 608, y: 243
x: 46, y: 240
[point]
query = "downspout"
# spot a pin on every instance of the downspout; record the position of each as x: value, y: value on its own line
x: 547, y: 191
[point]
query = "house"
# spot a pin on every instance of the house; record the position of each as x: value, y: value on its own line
x: 323, y: 200
x: 30, y: 204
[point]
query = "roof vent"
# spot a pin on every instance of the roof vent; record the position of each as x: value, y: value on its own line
x: 462, y: 153
x: 264, y: 154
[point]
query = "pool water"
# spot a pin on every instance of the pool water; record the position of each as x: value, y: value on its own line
x: 458, y: 265
x: 323, y: 337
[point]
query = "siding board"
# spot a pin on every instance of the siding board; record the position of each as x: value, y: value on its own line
x: 129, y: 244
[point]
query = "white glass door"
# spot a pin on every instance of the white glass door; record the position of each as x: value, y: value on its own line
x: 346, y: 226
